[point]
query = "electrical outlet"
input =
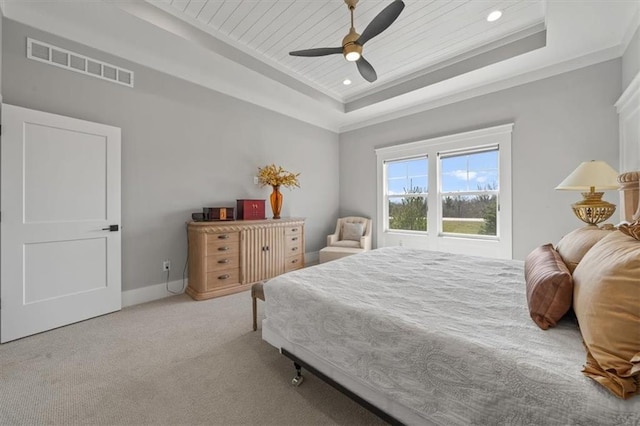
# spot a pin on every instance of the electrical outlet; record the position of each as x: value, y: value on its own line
x: 255, y: 180
x: 166, y: 265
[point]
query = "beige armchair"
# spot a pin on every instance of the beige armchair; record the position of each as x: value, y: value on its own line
x: 352, y: 236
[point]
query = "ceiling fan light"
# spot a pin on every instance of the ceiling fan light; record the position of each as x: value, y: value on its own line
x: 351, y: 50
x: 494, y: 16
x: 352, y: 56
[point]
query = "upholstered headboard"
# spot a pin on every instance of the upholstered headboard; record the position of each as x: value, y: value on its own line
x: 630, y: 195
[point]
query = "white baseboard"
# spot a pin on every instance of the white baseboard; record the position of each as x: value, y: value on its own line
x: 150, y: 293
x: 159, y: 291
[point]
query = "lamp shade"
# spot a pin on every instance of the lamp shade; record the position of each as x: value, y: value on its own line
x: 597, y: 174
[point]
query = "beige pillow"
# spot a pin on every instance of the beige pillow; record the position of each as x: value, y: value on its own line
x: 352, y: 231
x: 573, y: 246
x: 606, y: 300
x: 549, y: 286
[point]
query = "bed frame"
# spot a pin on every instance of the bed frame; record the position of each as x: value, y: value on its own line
x: 630, y: 211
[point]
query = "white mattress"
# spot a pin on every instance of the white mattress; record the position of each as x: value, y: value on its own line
x: 446, y: 338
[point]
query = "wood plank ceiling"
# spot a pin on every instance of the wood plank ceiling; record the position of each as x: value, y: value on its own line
x: 426, y: 33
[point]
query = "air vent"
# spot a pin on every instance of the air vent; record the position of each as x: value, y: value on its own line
x: 44, y: 52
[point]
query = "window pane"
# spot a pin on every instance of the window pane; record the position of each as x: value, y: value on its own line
x: 470, y: 172
x: 408, y: 213
x: 407, y: 176
x: 469, y: 214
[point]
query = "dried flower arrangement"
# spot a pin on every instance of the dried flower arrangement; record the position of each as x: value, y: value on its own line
x: 277, y: 176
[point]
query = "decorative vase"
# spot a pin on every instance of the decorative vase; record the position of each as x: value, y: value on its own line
x: 276, y: 201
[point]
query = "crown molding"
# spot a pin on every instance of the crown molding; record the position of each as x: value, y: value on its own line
x: 631, y: 30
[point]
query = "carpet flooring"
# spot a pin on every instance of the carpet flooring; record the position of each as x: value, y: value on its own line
x: 170, y: 362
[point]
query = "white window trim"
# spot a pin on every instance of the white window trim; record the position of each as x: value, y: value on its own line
x: 499, y: 247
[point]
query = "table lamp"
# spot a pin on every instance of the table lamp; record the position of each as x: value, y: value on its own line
x: 589, y: 176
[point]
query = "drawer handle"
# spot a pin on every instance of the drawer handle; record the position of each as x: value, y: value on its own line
x: 294, y: 249
x: 294, y: 239
x: 223, y: 261
x: 294, y: 229
x: 223, y: 248
x: 294, y: 261
x: 223, y: 237
x: 224, y: 277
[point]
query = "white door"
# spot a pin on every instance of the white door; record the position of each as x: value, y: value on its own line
x: 60, y: 189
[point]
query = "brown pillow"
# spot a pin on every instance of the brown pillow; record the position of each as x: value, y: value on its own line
x: 573, y: 246
x: 549, y: 286
x: 606, y: 300
x: 631, y: 229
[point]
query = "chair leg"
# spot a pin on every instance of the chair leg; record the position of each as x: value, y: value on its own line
x: 255, y: 313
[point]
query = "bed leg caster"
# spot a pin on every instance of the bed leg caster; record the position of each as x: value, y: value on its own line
x: 297, y: 381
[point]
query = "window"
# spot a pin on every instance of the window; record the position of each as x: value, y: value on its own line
x: 451, y: 193
x: 469, y: 190
x: 407, y: 194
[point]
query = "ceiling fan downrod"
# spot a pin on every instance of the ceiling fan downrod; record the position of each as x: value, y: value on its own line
x: 351, y: 50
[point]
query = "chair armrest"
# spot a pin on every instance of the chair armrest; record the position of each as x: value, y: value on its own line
x: 332, y: 239
x: 365, y: 242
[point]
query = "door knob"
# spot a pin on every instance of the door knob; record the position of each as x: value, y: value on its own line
x: 111, y: 228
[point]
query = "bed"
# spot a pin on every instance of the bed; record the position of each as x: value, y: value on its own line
x: 408, y: 334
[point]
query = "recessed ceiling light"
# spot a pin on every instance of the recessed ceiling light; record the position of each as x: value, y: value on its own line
x: 494, y: 16
x: 346, y: 82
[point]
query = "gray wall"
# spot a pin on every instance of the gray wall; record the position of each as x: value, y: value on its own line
x: 559, y: 122
x: 183, y: 147
x: 631, y: 60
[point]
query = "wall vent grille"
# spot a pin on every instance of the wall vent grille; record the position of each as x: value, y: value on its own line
x: 53, y: 55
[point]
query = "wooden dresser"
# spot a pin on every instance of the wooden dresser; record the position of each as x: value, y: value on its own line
x: 228, y: 257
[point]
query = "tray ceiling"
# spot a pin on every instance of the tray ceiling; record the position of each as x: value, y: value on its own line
x: 426, y: 34
x: 436, y: 53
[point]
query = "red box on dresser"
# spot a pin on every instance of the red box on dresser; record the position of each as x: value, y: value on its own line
x: 250, y: 210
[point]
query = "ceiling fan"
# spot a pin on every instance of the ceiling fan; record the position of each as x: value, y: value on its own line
x: 352, y: 44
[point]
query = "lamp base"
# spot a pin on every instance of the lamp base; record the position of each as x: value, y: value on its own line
x: 592, y: 209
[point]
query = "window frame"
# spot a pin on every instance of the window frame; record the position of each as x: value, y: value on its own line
x: 499, y: 246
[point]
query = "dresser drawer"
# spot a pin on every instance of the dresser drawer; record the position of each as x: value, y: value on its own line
x: 293, y: 247
x: 294, y: 262
x: 292, y: 231
x: 224, y: 260
x: 223, y: 278
x: 223, y: 242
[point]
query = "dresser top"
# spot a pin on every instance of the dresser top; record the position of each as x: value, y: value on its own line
x: 236, y: 225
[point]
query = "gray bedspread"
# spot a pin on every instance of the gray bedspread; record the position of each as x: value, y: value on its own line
x: 447, y: 336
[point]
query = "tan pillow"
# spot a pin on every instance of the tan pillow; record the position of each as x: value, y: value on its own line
x: 573, y: 246
x: 606, y: 300
x: 549, y: 286
x: 352, y: 231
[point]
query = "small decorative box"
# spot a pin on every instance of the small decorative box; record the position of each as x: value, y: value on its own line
x: 251, y: 209
x: 217, y: 213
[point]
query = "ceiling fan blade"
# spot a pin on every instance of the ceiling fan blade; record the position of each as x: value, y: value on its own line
x: 366, y: 70
x: 321, y: 51
x: 382, y: 21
